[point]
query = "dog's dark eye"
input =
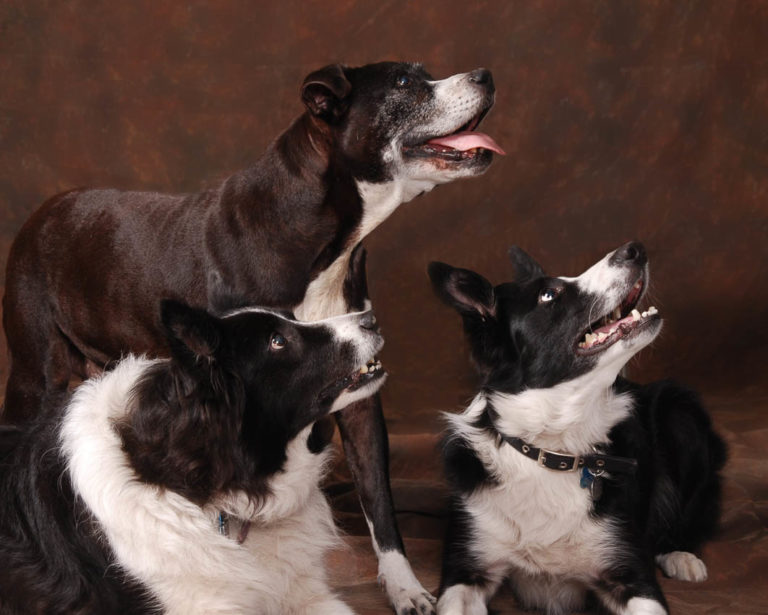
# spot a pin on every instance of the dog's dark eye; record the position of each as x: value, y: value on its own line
x: 548, y: 294
x: 403, y: 81
x: 277, y: 342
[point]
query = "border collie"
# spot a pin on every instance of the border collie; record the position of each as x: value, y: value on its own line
x: 87, y: 271
x: 187, y: 485
x: 566, y: 479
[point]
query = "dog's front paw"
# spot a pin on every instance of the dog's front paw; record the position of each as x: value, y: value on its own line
x: 405, y: 593
x: 683, y: 566
x: 644, y: 606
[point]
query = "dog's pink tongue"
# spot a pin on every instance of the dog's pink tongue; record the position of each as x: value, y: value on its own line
x: 467, y: 140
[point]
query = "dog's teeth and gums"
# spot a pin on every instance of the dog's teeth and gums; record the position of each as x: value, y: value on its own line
x: 616, y: 324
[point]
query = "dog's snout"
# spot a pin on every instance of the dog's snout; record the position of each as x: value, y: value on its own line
x: 630, y: 253
x: 481, y: 76
x: 368, y: 321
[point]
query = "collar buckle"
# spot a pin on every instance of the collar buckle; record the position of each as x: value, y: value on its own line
x: 553, y: 460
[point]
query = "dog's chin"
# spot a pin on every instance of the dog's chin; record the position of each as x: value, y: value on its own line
x: 620, y: 352
x: 348, y: 396
x: 445, y: 168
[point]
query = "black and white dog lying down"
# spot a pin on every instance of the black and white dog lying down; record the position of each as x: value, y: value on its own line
x: 114, y: 505
x: 566, y: 480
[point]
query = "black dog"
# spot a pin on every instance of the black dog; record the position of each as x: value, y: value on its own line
x: 565, y: 479
x: 112, y: 505
x: 86, y: 272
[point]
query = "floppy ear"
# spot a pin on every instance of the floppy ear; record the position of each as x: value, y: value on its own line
x: 193, y: 334
x: 464, y: 290
x: 525, y: 267
x: 324, y: 92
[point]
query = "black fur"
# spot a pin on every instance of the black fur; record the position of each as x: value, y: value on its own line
x: 215, y: 418
x: 671, y: 503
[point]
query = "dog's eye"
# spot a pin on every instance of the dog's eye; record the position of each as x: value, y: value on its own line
x: 277, y: 342
x: 548, y: 294
x: 403, y: 81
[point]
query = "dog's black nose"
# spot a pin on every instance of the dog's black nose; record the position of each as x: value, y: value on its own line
x: 632, y: 252
x: 481, y: 76
x: 368, y: 321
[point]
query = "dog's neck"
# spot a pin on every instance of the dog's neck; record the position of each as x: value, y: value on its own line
x: 572, y: 416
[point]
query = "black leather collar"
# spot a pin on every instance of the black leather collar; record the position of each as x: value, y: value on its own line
x: 596, y: 463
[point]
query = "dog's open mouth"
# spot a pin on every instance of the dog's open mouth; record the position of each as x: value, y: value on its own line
x: 623, y: 321
x: 372, y: 370
x: 464, y: 143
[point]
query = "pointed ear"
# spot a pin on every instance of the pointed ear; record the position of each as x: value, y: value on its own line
x: 525, y: 267
x: 464, y: 290
x: 193, y: 334
x: 325, y: 92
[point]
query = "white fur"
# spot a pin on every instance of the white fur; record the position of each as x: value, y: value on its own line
x: 604, y: 280
x: 463, y: 600
x: 571, y: 416
x: 535, y: 519
x: 683, y: 566
x: 643, y: 606
x: 172, y: 546
x: 402, y: 587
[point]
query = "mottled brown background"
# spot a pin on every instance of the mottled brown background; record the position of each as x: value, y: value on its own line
x: 622, y: 120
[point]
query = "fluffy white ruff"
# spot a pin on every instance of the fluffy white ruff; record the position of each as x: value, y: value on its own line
x: 534, y: 521
x: 171, y: 545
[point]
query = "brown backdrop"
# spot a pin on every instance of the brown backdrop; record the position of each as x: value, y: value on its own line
x: 622, y: 120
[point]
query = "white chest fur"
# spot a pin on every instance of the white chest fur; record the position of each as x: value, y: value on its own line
x: 535, y: 519
x: 170, y: 544
x: 324, y: 296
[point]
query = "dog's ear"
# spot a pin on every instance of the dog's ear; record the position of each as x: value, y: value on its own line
x: 193, y: 334
x: 525, y: 267
x: 464, y: 290
x: 325, y: 92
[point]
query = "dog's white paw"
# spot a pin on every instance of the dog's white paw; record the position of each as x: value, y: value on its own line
x: 404, y: 591
x: 644, y: 606
x: 683, y: 566
x: 461, y: 600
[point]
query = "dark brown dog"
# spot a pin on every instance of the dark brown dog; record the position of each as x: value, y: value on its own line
x: 88, y: 270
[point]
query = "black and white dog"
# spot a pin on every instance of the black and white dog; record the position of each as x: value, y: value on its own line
x: 114, y: 505
x: 88, y: 270
x: 566, y: 480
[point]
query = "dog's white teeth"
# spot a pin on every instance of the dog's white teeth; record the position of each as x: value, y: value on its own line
x: 652, y: 310
x: 601, y: 336
x: 639, y: 284
x: 617, y: 313
x: 636, y: 315
x: 590, y: 338
x: 364, y: 369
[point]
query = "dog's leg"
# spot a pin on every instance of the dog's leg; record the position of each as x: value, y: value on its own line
x: 364, y: 437
x: 39, y: 356
x: 632, y: 590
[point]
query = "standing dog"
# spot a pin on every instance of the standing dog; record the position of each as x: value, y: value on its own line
x: 87, y: 271
x: 566, y: 480
x: 113, y: 505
